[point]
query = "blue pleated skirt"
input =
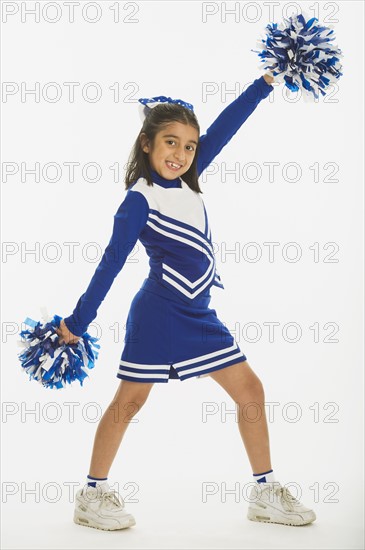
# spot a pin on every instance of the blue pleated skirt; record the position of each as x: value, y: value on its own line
x: 168, y: 338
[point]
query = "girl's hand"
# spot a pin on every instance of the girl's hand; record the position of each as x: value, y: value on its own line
x: 65, y: 336
x: 268, y: 78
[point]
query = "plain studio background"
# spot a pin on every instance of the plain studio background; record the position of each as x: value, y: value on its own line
x: 185, y: 442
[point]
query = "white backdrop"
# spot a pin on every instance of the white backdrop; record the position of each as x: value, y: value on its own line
x: 311, y: 365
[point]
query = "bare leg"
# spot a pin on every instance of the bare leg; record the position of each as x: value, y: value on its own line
x: 127, y: 401
x: 244, y: 387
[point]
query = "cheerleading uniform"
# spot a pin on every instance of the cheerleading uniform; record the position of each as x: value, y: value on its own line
x: 171, y: 332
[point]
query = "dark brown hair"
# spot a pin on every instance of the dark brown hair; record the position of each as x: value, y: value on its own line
x: 156, y: 119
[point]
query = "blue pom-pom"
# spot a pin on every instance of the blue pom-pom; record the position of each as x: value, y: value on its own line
x: 51, y: 364
x: 298, y: 53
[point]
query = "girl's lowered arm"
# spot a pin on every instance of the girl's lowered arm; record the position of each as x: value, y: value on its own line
x: 230, y: 120
x: 129, y: 220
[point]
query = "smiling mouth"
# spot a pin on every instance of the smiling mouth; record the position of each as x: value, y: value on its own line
x: 173, y: 166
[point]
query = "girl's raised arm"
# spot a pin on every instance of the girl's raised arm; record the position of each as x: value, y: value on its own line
x: 129, y: 221
x: 229, y: 121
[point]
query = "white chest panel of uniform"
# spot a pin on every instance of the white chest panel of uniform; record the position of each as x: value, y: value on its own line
x: 182, y: 204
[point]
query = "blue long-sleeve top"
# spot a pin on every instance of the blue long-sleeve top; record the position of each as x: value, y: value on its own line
x: 132, y: 214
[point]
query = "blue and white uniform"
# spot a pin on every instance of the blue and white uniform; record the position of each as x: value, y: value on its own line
x: 171, y: 332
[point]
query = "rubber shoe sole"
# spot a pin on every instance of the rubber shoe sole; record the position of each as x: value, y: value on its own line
x: 90, y: 522
x: 257, y: 515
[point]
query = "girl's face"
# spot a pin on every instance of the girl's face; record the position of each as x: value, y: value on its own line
x: 173, y: 151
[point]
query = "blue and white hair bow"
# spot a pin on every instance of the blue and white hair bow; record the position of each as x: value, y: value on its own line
x: 150, y: 102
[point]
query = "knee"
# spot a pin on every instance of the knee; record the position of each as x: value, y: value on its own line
x: 131, y: 397
x: 257, y: 388
x: 136, y: 399
x: 134, y: 404
x: 139, y: 399
x: 126, y: 408
x: 252, y: 390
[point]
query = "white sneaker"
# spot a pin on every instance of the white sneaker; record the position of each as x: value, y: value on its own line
x: 272, y: 503
x: 102, y: 508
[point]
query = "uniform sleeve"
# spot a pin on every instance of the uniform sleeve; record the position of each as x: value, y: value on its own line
x: 129, y: 220
x: 229, y: 121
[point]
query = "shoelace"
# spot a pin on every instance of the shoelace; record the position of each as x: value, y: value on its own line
x: 287, y: 499
x: 111, y: 499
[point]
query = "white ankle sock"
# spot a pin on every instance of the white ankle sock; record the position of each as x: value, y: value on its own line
x: 97, y: 482
x: 265, y: 477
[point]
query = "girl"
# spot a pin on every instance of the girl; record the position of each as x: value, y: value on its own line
x: 171, y: 332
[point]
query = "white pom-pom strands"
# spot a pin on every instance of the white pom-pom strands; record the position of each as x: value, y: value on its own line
x: 298, y: 53
x: 53, y: 364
